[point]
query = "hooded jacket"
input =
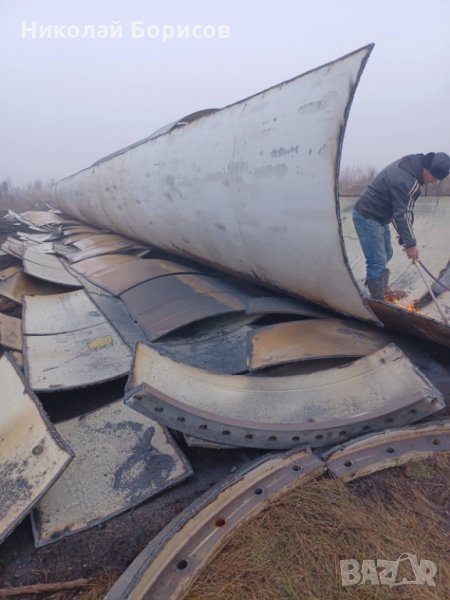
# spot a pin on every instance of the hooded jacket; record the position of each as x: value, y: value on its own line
x: 392, y: 195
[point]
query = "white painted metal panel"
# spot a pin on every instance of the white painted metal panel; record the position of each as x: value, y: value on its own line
x: 251, y: 188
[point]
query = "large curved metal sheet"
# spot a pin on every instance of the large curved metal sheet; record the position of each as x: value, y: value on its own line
x: 60, y: 313
x: 121, y: 459
x: 311, y: 339
x: 167, y: 303
x: 75, y: 359
x: 10, y: 332
x: 386, y: 449
x: 117, y: 280
x: 47, y: 267
x: 317, y: 409
x: 119, y: 244
x: 32, y: 454
x: 21, y: 284
x: 167, y: 567
x: 250, y: 188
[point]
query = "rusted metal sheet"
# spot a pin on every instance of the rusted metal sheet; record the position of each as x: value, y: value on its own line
x: 20, y: 285
x: 121, y: 459
x: 92, y: 266
x: 165, y: 304
x: 391, y: 448
x: 75, y: 359
x: 47, y: 267
x: 311, y: 339
x: 10, y: 332
x: 60, y: 313
x: 317, y: 409
x: 32, y: 454
x: 168, y: 566
x: 281, y: 147
x: 410, y: 322
x: 119, y: 244
x: 118, y: 280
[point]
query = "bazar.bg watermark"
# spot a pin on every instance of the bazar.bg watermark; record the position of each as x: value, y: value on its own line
x: 385, y: 572
x: 136, y: 30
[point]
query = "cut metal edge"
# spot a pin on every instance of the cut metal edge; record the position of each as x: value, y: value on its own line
x: 249, y: 488
x: 52, y: 432
x: 389, y: 448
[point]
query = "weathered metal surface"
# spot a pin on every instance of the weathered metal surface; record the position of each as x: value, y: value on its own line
x: 432, y: 215
x: 47, y: 267
x: 250, y: 188
x: 32, y: 455
x: 399, y: 319
x: 318, y: 409
x: 288, y: 306
x: 41, y: 218
x: 117, y: 280
x: 311, y: 339
x: 60, y: 313
x: 21, y: 284
x: 121, y: 459
x: 223, y: 352
x: 9, y: 272
x: 391, y: 448
x: 116, y: 313
x: 75, y: 359
x: 10, y: 332
x: 92, y: 266
x: 167, y: 303
x: 106, y: 247
x: 168, y: 566
x: 13, y: 247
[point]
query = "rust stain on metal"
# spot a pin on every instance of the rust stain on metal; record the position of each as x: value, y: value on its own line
x: 100, y: 342
x: 311, y: 339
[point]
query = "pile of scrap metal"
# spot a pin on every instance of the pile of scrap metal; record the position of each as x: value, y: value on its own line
x: 213, y: 348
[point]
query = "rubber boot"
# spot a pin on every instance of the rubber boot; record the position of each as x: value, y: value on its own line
x: 376, y: 287
x: 391, y: 295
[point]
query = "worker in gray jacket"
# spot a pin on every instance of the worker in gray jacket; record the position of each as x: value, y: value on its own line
x: 390, y: 198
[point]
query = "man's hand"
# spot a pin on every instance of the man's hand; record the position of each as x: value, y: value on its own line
x: 412, y: 253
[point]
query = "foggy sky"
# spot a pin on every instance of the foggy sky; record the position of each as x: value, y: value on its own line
x: 66, y: 103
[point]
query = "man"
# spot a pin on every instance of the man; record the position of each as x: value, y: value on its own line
x: 390, y: 198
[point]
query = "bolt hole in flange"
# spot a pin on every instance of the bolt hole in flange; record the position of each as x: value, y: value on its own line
x: 258, y: 491
x: 436, y: 442
x: 390, y: 450
x: 348, y: 463
x: 296, y: 468
x: 220, y: 522
x: 182, y: 565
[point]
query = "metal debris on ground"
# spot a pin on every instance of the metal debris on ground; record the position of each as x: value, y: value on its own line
x: 318, y: 409
x: 32, y: 454
x: 121, y: 459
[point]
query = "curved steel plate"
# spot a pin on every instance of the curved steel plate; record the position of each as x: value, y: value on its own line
x: 60, y: 313
x: 167, y: 567
x: 20, y: 285
x: 121, y: 459
x: 117, y: 280
x: 93, y: 266
x: 311, y: 339
x: 75, y: 359
x: 317, y: 409
x: 388, y: 449
x: 167, y: 303
x: 250, y: 188
x: 32, y: 455
x: 47, y: 267
x: 10, y: 332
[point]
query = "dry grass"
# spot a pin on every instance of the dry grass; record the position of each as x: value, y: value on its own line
x: 292, y: 550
